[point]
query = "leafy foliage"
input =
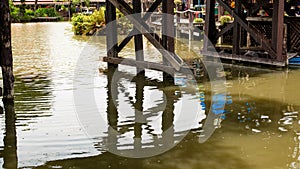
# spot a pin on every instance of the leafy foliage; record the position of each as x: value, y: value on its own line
x: 198, y: 20
x: 16, y: 15
x: 87, y: 24
x: 225, y: 19
x: 46, y: 12
x: 177, y: 2
x: 79, y: 2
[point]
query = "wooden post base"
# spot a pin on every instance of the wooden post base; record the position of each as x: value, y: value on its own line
x: 8, y: 83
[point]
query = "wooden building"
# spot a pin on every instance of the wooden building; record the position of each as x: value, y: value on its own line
x: 261, y: 32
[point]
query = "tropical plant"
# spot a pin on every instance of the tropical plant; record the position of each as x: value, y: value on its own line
x: 46, y: 12
x: 177, y: 2
x: 14, y: 11
x: 80, y: 2
x: 198, y: 20
x: 88, y: 24
x: 225, y: 19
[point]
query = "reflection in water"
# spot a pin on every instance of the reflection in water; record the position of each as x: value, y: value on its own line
x: 144, y: 129
x: 259, y: 127
x: 9, y: 154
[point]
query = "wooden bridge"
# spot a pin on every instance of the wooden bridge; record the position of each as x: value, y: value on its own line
x: 266, y: 40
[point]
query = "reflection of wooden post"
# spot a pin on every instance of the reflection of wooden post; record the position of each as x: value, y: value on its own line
x: 112, y: 113
x: 6, y: 60
x: 10, y: 139
x: 168, y: 118
x: 191, y: 25
x: 139, y: 118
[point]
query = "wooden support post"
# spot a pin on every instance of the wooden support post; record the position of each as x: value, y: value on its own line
x: 6, y: 60
x: 191, y: 25
x: 70, y: 10
x: 111, y: 32
x: 237, y: 29
x: 138, y: 39
x: 277, y: 28
x: 168, y: 31
x: 210, y: 24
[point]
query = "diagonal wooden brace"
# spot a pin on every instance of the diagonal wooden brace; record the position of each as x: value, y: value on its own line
x: 135, y: 31
x: 172, y: 58
x: 257, y: 36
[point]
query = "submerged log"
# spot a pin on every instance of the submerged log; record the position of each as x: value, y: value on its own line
x: 6, y: 60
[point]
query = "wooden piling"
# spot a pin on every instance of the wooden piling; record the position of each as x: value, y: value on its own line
x: 168, y: 32
x: 277, y: 28
x: 138, y: 39
x: 237, y: 30
x: 210, y: 24
x: 111, y: 32
x: 6, y: 60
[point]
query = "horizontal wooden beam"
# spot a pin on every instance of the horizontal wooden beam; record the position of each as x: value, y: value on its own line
x: 244, y: 58
x: 146, y: 65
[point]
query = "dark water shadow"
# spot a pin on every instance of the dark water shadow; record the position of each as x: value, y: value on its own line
x: 9, y: 152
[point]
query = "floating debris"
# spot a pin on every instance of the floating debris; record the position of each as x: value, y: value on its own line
x: 256, y: 130
x: 264, y: 117
x: 282, y: 129
x: 290, y: 113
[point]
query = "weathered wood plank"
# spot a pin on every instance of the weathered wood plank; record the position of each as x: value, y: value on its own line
x: 244, y: 58
x: 147, y: 65
x: 140, y: 64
